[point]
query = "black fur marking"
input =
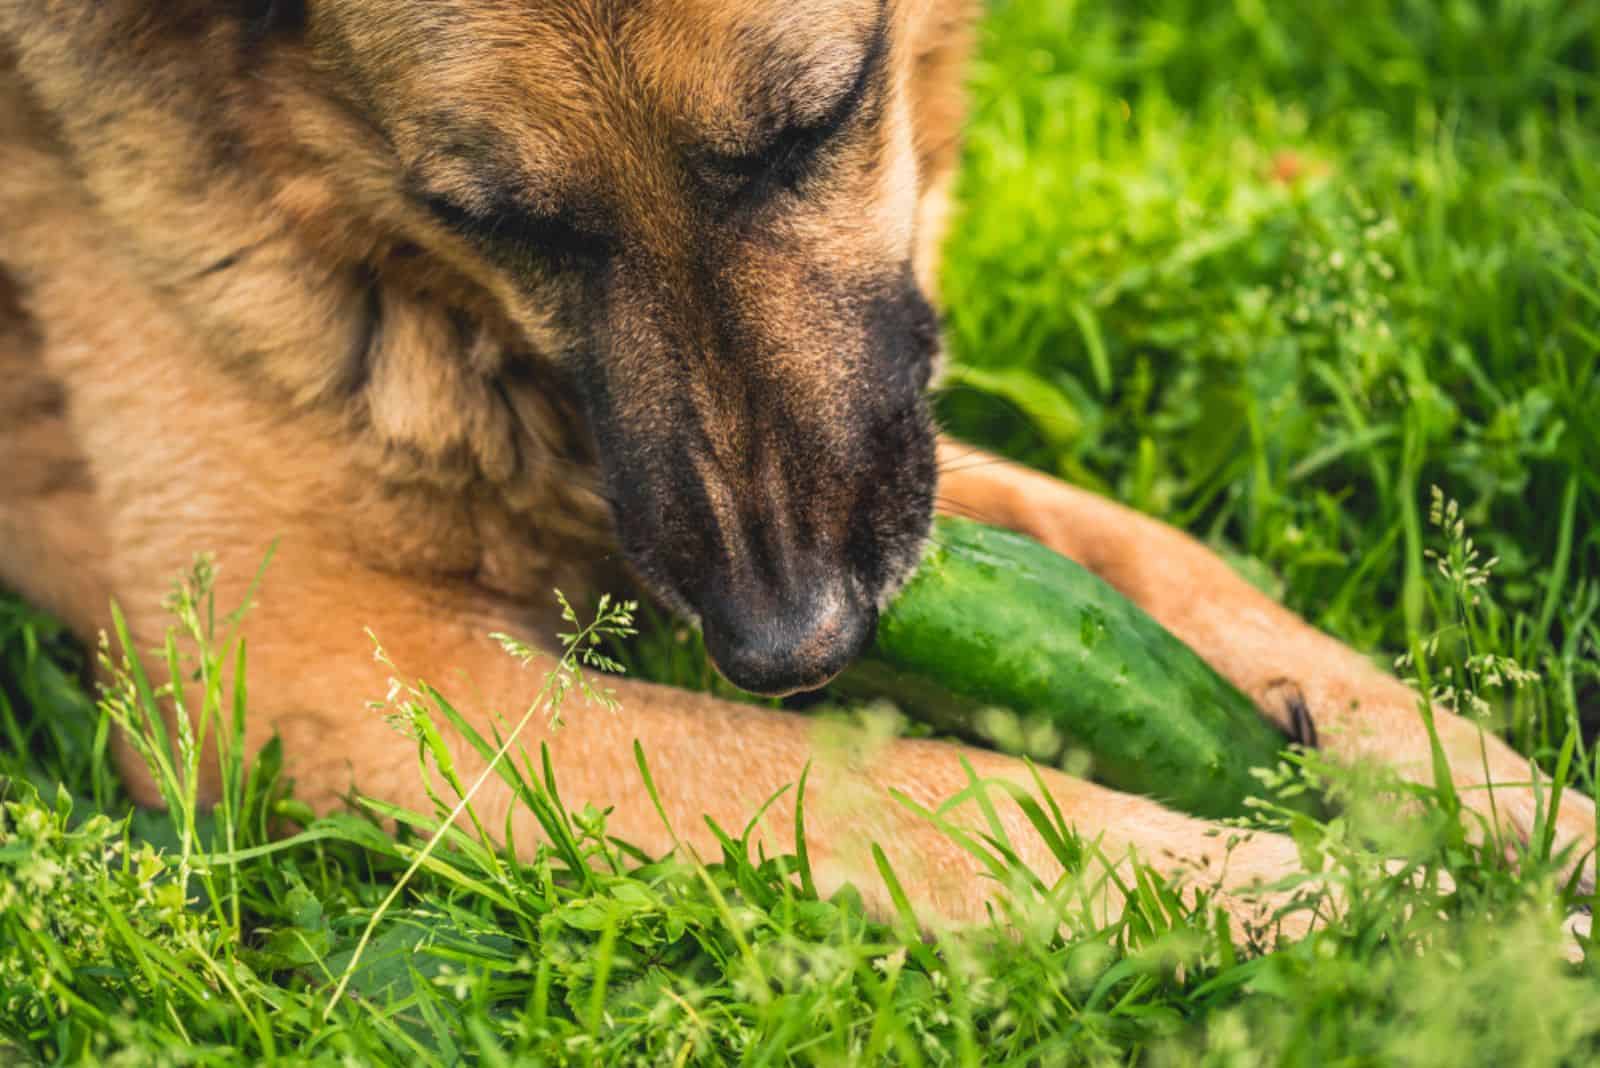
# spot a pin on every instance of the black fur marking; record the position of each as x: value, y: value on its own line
x: 226, y: 263
x: 364, y: 351
x: 268, y: 18
x: 663, y: 518
x: 464, y: 138
x: 904, y: 329
x: 39, y: 399
x: 62, y: 476
x: 238, y: 255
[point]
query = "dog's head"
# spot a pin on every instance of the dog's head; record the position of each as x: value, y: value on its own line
x: 706, y: 212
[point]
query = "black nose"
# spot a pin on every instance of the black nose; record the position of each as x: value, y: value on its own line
x: 777, y: 646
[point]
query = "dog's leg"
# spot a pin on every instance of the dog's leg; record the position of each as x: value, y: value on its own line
x: 1316, y: 688
x: 313, y: 676
x: 714, y: 760
x: 709, y: 759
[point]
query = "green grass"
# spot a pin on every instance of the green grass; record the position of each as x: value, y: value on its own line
x: 1138, y: 301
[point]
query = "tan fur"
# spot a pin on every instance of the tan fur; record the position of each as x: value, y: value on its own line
x: 189, y: 259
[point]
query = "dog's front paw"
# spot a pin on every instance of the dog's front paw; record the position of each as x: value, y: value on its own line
x: 1362, y: 715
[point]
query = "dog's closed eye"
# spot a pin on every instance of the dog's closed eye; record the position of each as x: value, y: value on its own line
x: 558, y: 239
x: 786, y: 157
x: 783, y: 162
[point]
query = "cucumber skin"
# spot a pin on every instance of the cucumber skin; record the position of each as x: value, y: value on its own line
x: 993, y: 618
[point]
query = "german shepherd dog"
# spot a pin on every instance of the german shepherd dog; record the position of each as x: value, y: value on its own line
x: 460, y: 302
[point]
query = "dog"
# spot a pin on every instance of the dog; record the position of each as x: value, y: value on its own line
x: 458, y: 303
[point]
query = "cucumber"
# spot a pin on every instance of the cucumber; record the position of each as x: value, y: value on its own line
x: 994, y: 621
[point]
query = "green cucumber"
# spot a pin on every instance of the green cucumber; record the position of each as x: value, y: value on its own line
x: 995, y: 631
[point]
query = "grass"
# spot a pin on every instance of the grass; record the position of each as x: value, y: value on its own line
x: 1271, y: 272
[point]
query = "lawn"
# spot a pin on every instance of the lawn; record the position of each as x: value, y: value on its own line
x: 1319, y: 282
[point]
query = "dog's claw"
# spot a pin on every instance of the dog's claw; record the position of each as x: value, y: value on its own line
x: 1578, y: 928
x: 1296, y: 713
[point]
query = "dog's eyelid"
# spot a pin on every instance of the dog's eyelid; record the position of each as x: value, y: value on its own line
x: 786, y: 142
x: 559, y: 235
x: 795, y: 142
x: 449, y: 210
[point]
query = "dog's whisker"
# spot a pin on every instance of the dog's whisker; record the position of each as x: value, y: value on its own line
x: 957, y: 467
x: 966, y: 511
x: 967, y: 455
